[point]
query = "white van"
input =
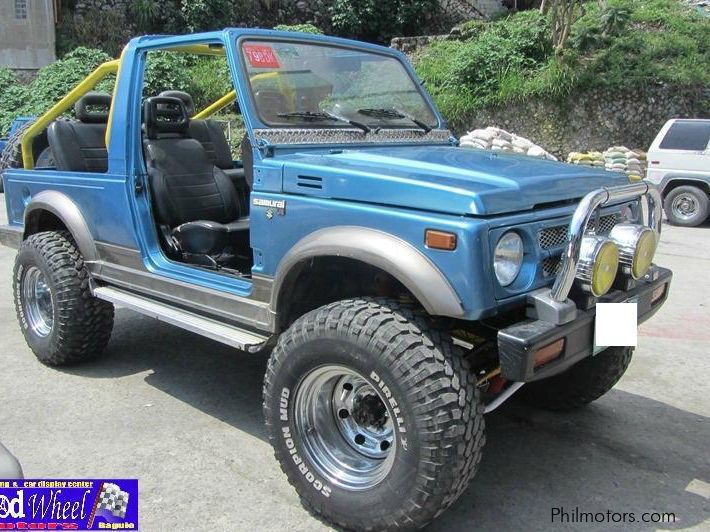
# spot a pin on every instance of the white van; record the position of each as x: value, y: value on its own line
x: 679, y: 164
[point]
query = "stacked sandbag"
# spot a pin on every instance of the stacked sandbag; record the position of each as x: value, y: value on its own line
x: 496, y: 139
x: 622, y: 159
x: 589, y: 158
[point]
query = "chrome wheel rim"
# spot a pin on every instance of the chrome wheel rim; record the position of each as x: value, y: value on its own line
x: 346, y: 427
x: 685, y: 206
x: 38, y: 302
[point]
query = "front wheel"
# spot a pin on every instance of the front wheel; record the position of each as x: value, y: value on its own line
x: 583, y: 383
x: 374, y: 417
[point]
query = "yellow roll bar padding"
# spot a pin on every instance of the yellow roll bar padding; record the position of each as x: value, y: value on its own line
x: 217, y: 106
x: 109, y: 122
x: 228, y: 98
x: 93, y: 79
x: 201, y: 49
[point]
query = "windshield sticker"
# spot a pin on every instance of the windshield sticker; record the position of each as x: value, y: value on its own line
x: 261, y: 56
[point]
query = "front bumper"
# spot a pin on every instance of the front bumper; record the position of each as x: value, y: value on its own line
x: 11, y: 236
x: 518, y: 344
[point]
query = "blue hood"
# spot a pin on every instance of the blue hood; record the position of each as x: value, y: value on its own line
x: 442, y: 178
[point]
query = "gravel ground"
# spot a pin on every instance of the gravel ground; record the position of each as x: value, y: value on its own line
x: 183, y: 414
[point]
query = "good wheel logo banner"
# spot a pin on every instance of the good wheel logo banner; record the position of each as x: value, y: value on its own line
x: 107, y: 504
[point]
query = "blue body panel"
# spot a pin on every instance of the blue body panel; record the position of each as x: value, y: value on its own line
x: 445, y: 178
x: 401, y: 190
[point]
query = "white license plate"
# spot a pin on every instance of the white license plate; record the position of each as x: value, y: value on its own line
x: 618, y: 325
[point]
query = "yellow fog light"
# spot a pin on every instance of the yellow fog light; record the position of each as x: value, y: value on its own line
x: 598, y: 264
x: 637, y: 246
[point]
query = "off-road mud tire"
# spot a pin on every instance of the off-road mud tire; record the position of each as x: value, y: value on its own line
x: 82, y: 324
x: 430, y: 382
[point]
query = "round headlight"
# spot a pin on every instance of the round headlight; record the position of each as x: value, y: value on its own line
x: 508, y: 258
x: 598, y: 264
x: 637, y: 246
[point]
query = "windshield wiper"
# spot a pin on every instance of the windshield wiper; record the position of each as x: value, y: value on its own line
x: 311, y: 116
x: 395, y: 114
x: 306, y: 116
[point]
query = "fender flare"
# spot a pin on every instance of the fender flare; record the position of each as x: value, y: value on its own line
x: 704, y: 181
x: 68, y: 212
x: 385, y: 251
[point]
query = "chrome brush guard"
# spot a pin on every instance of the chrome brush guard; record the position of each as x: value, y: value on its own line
x: 552, y: 304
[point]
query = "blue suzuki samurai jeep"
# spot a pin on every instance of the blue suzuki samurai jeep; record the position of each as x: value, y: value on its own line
x: 403, y: 286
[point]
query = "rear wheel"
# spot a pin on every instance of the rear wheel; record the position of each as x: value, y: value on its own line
x: 373, y: 416
x: 62, y: 322
x: 583, y: 383
x: 686, y: 206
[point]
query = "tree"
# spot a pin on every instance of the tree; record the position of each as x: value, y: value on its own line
x: 564, y: 14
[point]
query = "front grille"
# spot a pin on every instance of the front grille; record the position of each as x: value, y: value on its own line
x: 606, y: 224
x: 552, y: 237
x: 551, y: 266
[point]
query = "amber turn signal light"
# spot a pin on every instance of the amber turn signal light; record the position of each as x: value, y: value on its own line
x: 549, y: 352
x: 440, y: 240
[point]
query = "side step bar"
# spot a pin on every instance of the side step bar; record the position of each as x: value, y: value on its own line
x: 230, y: 335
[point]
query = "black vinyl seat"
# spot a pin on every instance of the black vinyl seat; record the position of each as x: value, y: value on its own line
x: 196, y: 204
x: 80, y: 145
x: 210, y: 134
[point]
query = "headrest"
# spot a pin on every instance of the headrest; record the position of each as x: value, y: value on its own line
x: 163, y: 114
x: 185, y: 97
x: 93, y: 100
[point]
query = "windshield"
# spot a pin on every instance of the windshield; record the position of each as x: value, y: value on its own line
x: 314, y: 85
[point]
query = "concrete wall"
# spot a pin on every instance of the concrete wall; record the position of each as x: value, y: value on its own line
x: 26, y: 43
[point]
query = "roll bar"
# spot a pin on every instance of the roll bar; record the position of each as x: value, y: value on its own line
x: 650, y: 214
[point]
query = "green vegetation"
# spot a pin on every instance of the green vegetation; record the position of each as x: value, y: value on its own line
x: 52, y: 82
x: 303, y: 28
x: 626, y: 43
x: 379, y: 21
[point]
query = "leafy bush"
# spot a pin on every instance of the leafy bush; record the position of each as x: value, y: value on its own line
x: 378, y: 21
x: 471, y: 29
x: 146, y: 14
x: 55, y: 80
x: 210, y: 80
x: 13, y: 96
x: 167, y: 71
x: 507, y: 50
x: 614, y: 19
x: 202, y: 15
x: 303, y: 28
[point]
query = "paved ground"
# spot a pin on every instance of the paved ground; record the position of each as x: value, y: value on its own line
x: 183, y: 414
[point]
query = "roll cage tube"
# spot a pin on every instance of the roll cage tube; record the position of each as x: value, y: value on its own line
x: 93, y: 79
x: 217, y: 106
